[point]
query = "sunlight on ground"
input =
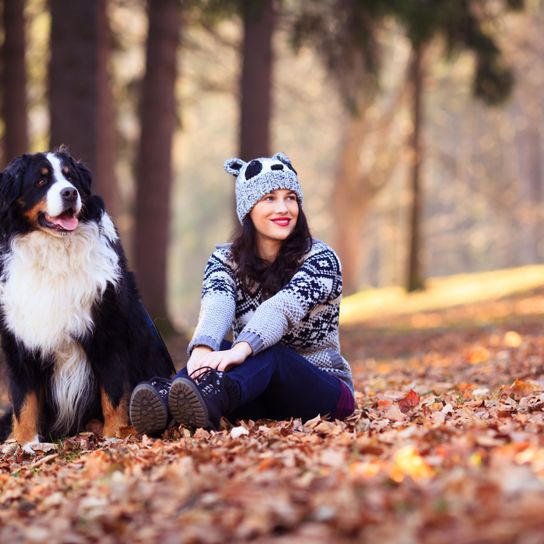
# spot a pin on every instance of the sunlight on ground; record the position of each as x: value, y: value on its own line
x: 440, y: 293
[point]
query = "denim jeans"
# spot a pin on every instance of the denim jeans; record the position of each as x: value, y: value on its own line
x: 278, y: 383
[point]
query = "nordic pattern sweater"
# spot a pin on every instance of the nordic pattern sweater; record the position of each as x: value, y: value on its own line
x: 303, y: 315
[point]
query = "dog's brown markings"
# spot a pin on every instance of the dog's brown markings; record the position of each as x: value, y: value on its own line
x: 115, y: 417
x: 44, y: 171
x: 25, y: 427
x: 32, y: 214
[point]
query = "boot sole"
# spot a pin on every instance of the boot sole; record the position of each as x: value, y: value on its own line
x: 147, y: 412
x: 187, y: 405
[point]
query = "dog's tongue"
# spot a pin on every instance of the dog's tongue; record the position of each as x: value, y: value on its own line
x: 65, y: 221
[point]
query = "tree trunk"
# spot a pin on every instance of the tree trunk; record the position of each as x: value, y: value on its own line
x: 154, y: 163
x: 256, y: 79
x: 356, y: 185
x: 14, y: 106
x: 80, y: 101
x: 349, y: 200
x: 415, y: 280
x: 531, y: 186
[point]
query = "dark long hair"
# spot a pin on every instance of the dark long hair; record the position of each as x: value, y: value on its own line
x: 271, y: 277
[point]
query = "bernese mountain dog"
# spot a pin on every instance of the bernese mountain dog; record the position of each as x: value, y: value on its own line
x: 75, y: 334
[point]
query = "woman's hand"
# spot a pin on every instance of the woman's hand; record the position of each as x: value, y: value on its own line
x: 195, y: 360
x: 220, y: 360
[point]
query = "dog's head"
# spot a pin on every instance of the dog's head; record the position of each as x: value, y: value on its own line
x: 44, y: 191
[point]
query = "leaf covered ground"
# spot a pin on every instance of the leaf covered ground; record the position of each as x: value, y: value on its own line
x: 446, y: 445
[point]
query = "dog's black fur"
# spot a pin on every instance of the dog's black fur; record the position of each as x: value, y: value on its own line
x: 121, y: 348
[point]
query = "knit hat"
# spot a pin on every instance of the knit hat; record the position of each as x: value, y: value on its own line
x: 259, y: 177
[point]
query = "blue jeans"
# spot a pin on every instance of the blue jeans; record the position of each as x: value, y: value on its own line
x: 278, y: 383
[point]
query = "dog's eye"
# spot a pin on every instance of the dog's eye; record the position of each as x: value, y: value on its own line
x: 41, y: 182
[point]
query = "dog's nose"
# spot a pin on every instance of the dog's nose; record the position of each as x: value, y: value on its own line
x: 69, y: 194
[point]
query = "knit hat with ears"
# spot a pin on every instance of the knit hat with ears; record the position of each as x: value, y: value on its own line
x: 259, y: 177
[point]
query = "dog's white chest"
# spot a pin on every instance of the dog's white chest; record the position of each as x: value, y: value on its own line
x: 50, y: 284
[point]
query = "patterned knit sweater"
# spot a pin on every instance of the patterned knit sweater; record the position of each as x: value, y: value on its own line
x: 302, y: 315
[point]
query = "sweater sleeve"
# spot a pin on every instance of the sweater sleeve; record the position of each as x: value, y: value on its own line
x: 217, y: 305
x: 317, y: 281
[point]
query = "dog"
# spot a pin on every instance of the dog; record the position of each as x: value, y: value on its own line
x: 75, y: 334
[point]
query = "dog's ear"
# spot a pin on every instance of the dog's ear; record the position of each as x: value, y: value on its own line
x: 11, y: 181
x: 85, y: 176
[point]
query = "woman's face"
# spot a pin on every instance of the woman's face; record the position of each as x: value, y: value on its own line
x: 275, y: 215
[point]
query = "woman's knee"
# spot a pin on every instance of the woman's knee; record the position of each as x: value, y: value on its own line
x: 345, y: 406
x: 277, y: 355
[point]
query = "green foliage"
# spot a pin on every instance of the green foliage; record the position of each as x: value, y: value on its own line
x: 493, y: 81
x: 344, y: 34
x: 464, y: 25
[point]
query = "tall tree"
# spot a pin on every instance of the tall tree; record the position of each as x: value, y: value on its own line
x: 258, y: 19
x: 414, y: 275
x: 158, y: 114
x: 14, y: 101
x: 256, y: 73
x: 80, y: 101
x: 463, y: 24
x: 256, y: 78
x: 344, y: 34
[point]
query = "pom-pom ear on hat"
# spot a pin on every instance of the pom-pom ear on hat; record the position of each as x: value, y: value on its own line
x: 234, y: 166
x: 282, y: 157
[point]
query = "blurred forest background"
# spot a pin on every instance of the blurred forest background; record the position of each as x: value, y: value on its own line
x: 416, y: 126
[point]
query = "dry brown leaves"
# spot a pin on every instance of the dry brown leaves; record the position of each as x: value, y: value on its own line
x: 446, y: 446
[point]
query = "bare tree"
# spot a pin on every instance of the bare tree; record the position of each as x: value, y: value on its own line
x: 463, y: 25
x: 376, y: 128
x: 414, y: 276
x: 14, y: 101
x: 158, y: 115
x: 80, y: 101
x: 256, y: 78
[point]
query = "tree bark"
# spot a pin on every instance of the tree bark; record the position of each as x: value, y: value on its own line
x: 349, y: 200
x: 531, y: 185
x: 256, y: 79
x: 154, y: 162
x: 415, y: 279
x: 14, y: 102
x: 80, y: 100
x: 356, y: 185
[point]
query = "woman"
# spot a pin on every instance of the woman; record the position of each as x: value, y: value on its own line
x: 279, y: 290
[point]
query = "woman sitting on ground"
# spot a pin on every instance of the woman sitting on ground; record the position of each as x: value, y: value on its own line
x: 279, y: 291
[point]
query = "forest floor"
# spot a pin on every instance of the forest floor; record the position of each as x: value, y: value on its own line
x: 446, y: 446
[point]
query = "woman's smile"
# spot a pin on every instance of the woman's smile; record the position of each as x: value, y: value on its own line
x: 282, y: 221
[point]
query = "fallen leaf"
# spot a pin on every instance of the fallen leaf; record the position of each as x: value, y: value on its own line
x: 408, y: 462
x: 409, y: 402
x: 522, y: 388
x: 512, y: 339
x: 237, y: 432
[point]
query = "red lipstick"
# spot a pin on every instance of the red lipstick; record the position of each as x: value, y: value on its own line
x: 282, y: 221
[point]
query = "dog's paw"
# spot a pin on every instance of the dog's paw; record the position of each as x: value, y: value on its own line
x: 28, y: 447
x: 34, y: 446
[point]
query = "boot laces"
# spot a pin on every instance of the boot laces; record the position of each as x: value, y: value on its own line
x: 209, y: 382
